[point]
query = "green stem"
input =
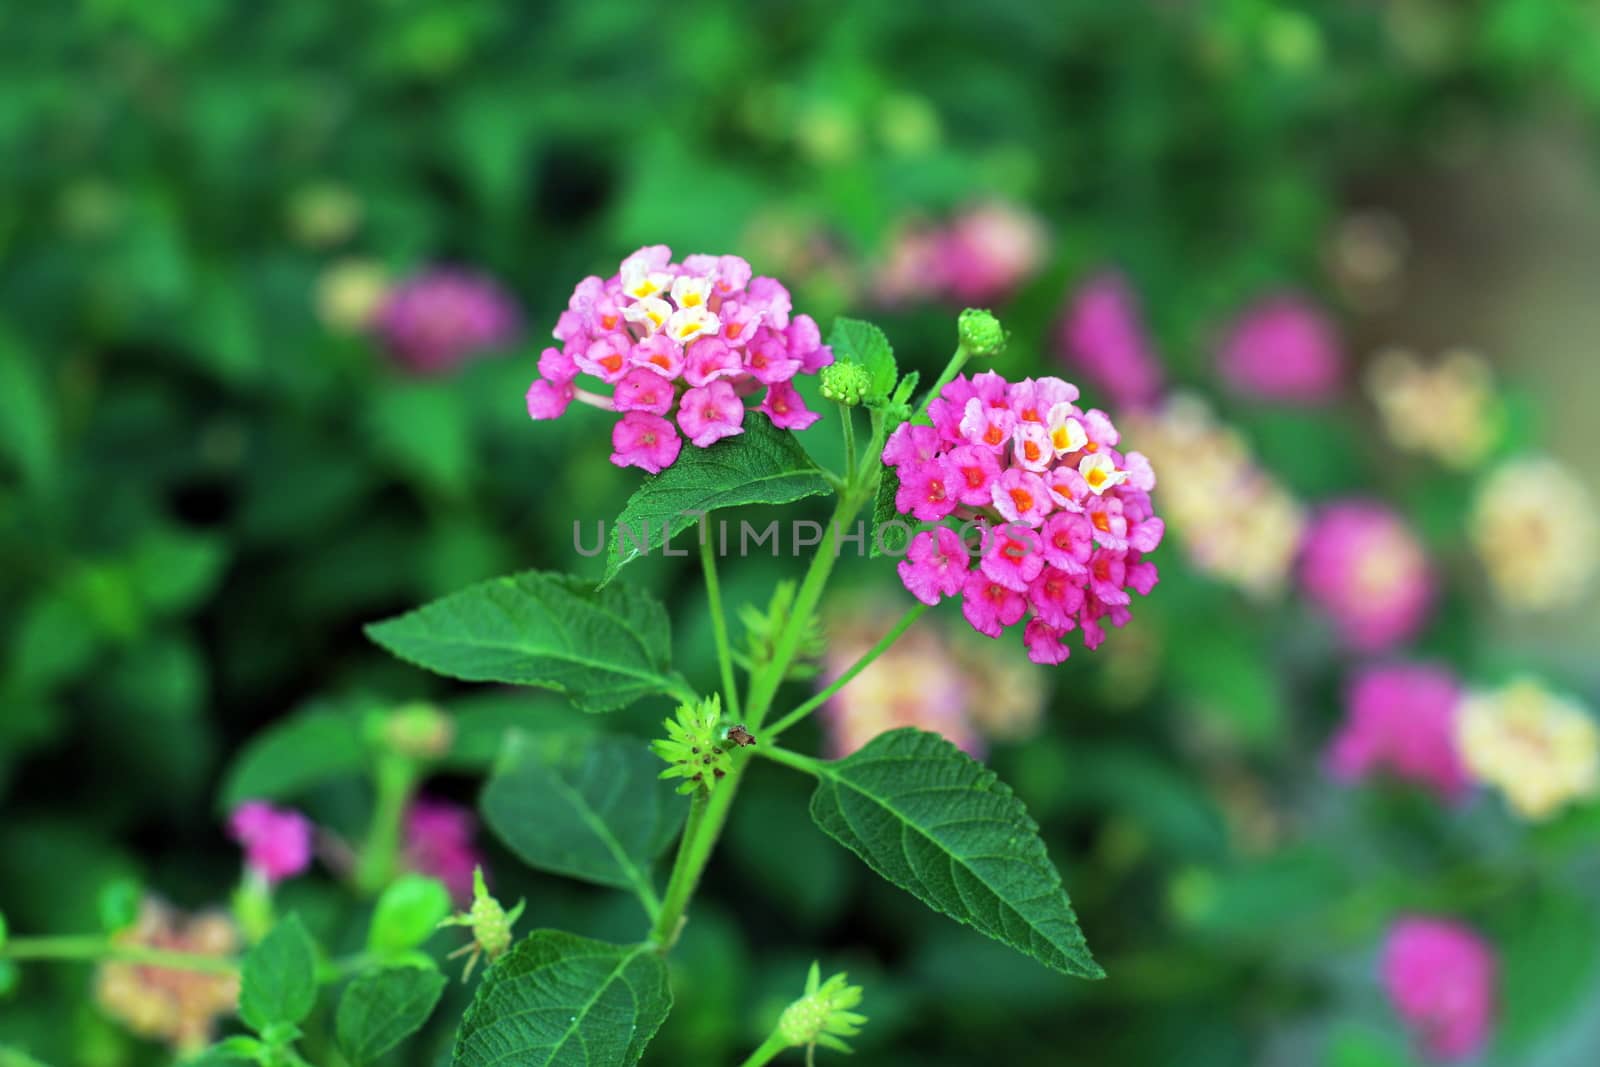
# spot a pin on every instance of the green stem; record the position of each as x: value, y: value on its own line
x: 912, y: 615
x: 707, y: 813
x: 719, y: 625
x: 773, y: 1046
x: 813, y: 767
x: 96, y: 949
x: 394, y: 780
x: 849, y: 423
x: 957, y: 361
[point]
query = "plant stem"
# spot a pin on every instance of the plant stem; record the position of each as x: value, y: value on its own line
x: 719, y: 625
x: 95, y: 949
x: 773, y: 1046
x: 784, y: 756
x: 707, y: 813
x: 912, y: 615
x: 849, y: 423
x: 393, y: 781
x: 957, y: 361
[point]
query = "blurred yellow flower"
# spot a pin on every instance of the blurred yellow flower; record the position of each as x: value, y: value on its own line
x: 1540, y: 749
x: 1534, y: 526
x: 349, y: 292
x: 1448, y: 410
x: 1235, y: 521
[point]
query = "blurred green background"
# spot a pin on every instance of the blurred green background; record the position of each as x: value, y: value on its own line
x: 209, y: 481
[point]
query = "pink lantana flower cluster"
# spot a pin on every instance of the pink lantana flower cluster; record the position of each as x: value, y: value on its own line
x: 1065, y: 519
x: 277, y: 842
x: 1441, y: 977
x: 681, y: 345
x: 1402, y: 719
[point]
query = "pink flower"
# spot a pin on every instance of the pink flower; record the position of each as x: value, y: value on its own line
x: 548, y: 399
x: 438, y: 843
x: 786, y: 408
x: 1103, y: 335
x: 276, y: 841
x: 1066, y: 517
x: 439, y: 319
x: 710, y: 413
x: 1282, y: 348
x: 709, y: 333
x: 1441, y: 977
x: 1363, y: 566
x: 935, y: 565
x: 981, y: 256
x: 644, y: 440
x: 1402, y: 719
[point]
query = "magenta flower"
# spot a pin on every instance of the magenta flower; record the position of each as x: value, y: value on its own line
x: 1402, y: 719
x: 1065, y: 517
x: 434, y: 322
x: 980, y: 256
x: 1102, y: 334
x: 680, y: 342
x: 1365, y: 568
x: 438, y: 843
x: 1440, y: 977
x: 276, y: 841
x: 1282, y: 348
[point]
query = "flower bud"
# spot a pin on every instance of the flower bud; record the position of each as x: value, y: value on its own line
x: 981, y: 333
x: 824, y: 1014
x: 418, y: 731
x: 846, y: 383
x: 695, y: 747
x: 489, y: 922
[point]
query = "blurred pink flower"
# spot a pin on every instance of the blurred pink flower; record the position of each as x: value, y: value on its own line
x: 980, y: 256
x: 435, y: 321
x: 1282, y: 348
x: 1362, y: 565
x: 276, y: 841
x: 438, y: 843
x: 1440, y: 977
x: 1402, y: 719
x: 1102, y: 335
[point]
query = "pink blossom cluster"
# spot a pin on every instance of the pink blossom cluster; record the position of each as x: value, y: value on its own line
x: 1282, y: 348
x: 437, y: 320
x: 276, y: 841
x: 1401, y: 719
x: 1361, y: 564
x: 1441, y: 977
x: 1065, y: 518
x: 1103, y: 336
x: 439, y: 843
x: 679, y: 343
x: 980, y: 256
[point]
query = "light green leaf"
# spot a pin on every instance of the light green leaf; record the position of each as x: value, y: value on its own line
x: 763, y: 465
x: 278, y: 983
x: 855, y: 341
x: 230, y: 1052
x: 295, y: 755
x: 380, y: 1009
x: 589, y: 807
x: 559, y: 1000
x: 407, y: 914
x: 941, y: 826
x: 423, y: 430
x: 603, y: 648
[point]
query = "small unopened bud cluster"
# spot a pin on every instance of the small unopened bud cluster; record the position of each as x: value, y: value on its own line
x: 418, y: 731
x: 489, y: 922
x: 696, y: 747
x: 981, y: 333
x: 846, y: 383
x: 824, y: 1015
x: 762, y: 630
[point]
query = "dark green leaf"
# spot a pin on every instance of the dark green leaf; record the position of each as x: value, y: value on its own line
x: 763, y: 465
x: 593, y: 808
x: 28, y: 431
x: 301, y: 752
x: 603, y: 648
x: 854, y: 341
x: 891, y: 531
x: 941, y: 826
x: 559, y: 1000
x: 383, y: 1008
x: 279, y: 980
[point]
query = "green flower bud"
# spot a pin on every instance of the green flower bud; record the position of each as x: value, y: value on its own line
x: 417, y: 731
x: 846, y: 383
x: 823, y: 1016
x: 981, y: 333
x: 695, y: 747
x: 489, y: 922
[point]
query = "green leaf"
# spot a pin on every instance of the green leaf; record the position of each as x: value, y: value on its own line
x: 407, y: 914
x: 295, y: 755
x: 559, y: 1000
x: 230, y: 1052
x: 941, y: 826
x: 1548, y: 955
x: 892, y: 539
x: 423, y: 430
x: 383, y: 1008
x: 763, y: 465
x: 603, y: 648
x: 278, y: 983
x: 855, y: 341
x: 587, y: 807
x: 28, y: 432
